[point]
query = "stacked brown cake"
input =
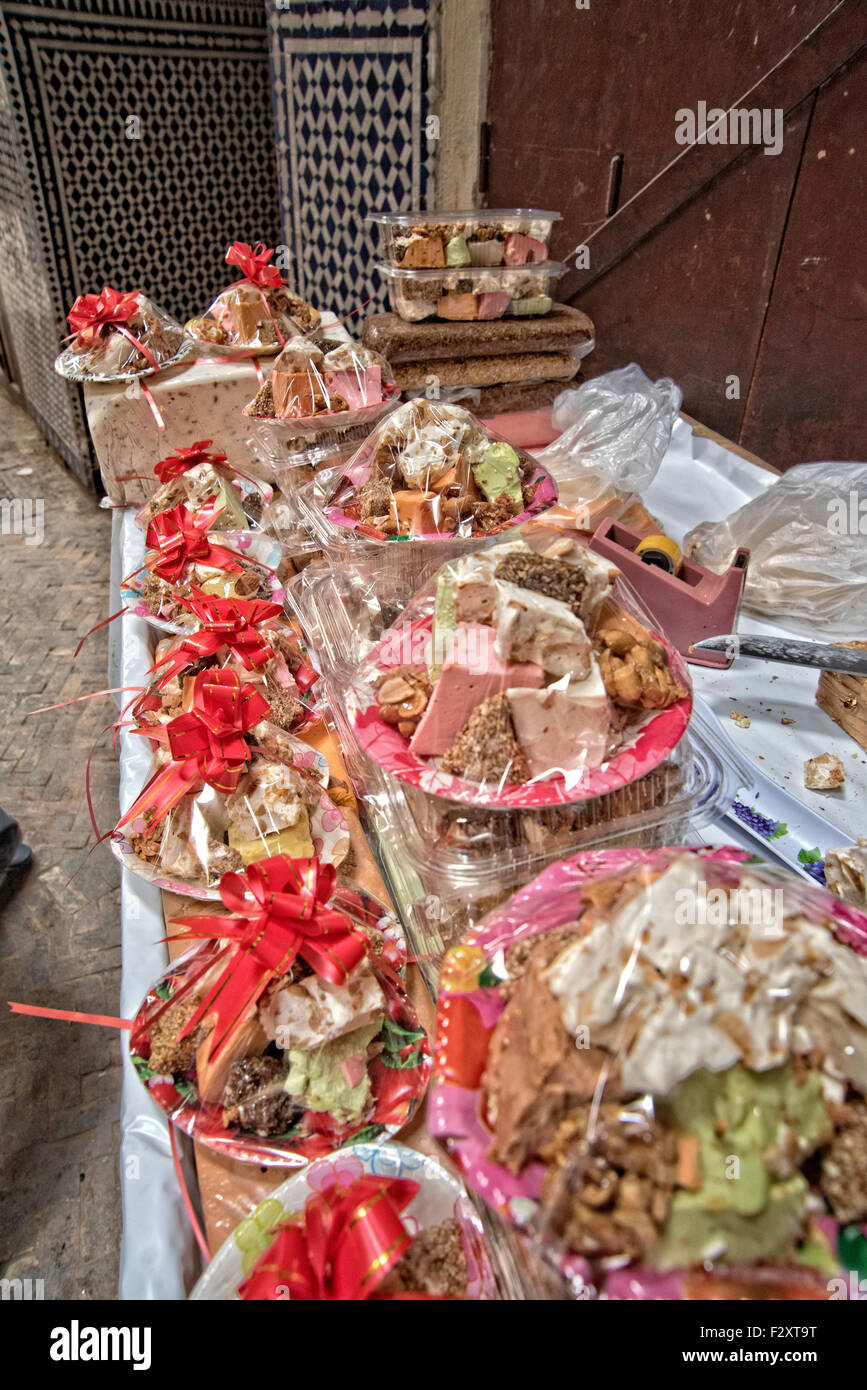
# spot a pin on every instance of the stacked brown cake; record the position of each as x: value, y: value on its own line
x: 516, y: 363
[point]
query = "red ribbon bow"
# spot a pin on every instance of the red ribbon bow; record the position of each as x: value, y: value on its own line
x: 91, y: 313
x: 279, y: 910
x: 179, y: 538
x: 207, y: 744
x: 182, y: 460
x: 252, y: 261
x: 346, y: 1244
x: 226, y: 622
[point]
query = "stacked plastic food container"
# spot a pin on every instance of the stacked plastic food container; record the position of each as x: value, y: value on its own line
x: 473, y: 312
x: 468, y: 265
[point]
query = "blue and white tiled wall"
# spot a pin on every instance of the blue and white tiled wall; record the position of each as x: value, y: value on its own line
x: 353, y: 85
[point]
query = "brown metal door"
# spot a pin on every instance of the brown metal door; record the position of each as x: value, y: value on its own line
x: 739, y: 273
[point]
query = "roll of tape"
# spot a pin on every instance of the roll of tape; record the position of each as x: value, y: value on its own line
x: 660, y: 551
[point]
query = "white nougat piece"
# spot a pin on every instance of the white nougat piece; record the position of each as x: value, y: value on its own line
x: 846, y: 873
x: 564, y: 727
x: 269, y: 798
x: 313, y: 1011
x: 532, y: 627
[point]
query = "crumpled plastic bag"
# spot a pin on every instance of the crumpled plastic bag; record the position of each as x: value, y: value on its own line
x: 615, y: 430
x: 808, y: 553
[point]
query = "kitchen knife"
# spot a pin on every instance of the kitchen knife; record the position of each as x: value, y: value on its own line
x: 849, y: 660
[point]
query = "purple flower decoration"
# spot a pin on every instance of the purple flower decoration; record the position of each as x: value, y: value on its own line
x: 762, y: 825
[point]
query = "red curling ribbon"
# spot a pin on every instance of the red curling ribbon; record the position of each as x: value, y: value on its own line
x: 206, y: 744
x: 343, y: 1249
x: 110, y: 619
x: 343, y: 317
x: 279, y: 910
x: 106, y: 1021
x: 70, y: 1016
x: 249, y: 354
x: 180, y: 538
x: 186, y: 1199
x: 226, y: 622
x: 91, y: 313
x: 175, y: 465
x: 154, y: 408
x: 92, y: 695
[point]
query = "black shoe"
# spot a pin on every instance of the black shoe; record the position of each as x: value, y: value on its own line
x: 15, y: 873
x: 10, y: 839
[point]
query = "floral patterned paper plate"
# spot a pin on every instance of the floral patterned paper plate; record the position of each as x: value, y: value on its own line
x: 399, y: 1075
x: 441, y: 1196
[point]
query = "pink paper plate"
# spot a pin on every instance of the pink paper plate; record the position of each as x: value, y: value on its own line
x: 399, y: 1075
x: 652, y: 744
x: 469, y: 1005
x: 545, y: 496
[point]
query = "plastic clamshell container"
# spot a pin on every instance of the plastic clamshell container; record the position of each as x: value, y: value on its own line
x: 394, y: 227
x: 448, y: 863
x: 472, y: 293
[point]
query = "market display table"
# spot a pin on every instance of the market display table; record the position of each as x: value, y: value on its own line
x: 702, y: 477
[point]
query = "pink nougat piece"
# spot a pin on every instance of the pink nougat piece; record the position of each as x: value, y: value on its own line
x: 564, y: 728
x: 358, y: 388
x: 494, y: 305
x: 471, y: 673
x: 520, y: 249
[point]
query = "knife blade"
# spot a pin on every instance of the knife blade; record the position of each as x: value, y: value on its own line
x: 849, y: 660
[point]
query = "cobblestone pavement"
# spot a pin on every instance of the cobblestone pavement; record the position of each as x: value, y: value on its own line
x: 60, y: 1218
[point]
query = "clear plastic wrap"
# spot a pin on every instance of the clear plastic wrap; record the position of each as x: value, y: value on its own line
x: 450, y: 1259
x: 481, y: 236
x: 292, y: 459
x: 117, y: 336
x: 194, y: 477
x: 472, y: 293
x: 520, y: 677
x: 808, y: 560
x: 257, y: 313
x: 318, y: 385
x: 228, y: 787
x: 251, y: 637
x: 274, y: 1063
x: 183, y: 552
x: 614, y: 432
x: 654, y: 1062
x: 430, y: 474
x: 448, y: 862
